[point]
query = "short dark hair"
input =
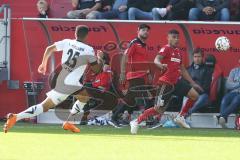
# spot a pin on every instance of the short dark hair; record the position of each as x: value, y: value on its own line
x: 81, y: 31
x: 141, y: 26
x: 198, y: 50
x: 173, y: 31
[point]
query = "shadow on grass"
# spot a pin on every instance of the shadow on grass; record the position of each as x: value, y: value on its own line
x: 107, y: 130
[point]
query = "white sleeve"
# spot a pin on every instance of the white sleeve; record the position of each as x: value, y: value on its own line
x: 92, y: 58
x: 60, y: 44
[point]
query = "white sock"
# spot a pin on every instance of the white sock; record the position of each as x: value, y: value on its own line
x: 77, y: 107
x: 30, y: 112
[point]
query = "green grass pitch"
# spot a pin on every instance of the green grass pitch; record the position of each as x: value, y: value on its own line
x: 50, y: 142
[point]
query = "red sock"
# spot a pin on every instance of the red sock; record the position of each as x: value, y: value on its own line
x: 149, y: 112
x: 186, y: 107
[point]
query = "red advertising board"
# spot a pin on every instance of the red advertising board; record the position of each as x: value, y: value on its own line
x: 30, y: 38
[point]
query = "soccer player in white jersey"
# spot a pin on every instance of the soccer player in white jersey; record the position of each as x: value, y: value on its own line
x: 78, y: 106
x: 76, y: 55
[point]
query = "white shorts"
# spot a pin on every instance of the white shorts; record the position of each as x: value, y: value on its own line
x: 71, y: 85
x: 56, y: 96
x: 73, y: 78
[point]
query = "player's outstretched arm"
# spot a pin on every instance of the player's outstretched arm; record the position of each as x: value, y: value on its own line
x: 124, y: 61
x: 157, y: 62
x: 48, y: 52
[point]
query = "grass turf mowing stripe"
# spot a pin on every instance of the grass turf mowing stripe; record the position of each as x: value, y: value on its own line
x: 43, y: 142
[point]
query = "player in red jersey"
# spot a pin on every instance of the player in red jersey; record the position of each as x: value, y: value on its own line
x: 169, y: 60
x: 133, y: 57
x: 135, y: 54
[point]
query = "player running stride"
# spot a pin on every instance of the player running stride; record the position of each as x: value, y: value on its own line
x: 169, y: 60
x: 98, y: 88
x: 76, y: 56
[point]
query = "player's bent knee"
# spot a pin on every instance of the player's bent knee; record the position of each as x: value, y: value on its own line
x: 82, y: 98
x: 55, y: 97
x: 47, y: 104
x: 193, y: 94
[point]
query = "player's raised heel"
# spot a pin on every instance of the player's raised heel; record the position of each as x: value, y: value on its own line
x: 11, y: 121
x: 70, y: 127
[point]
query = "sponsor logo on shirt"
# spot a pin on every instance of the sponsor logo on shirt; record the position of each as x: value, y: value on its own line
x: 175, y: 60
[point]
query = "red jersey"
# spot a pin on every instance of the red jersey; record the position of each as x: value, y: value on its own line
x: 173, y: 59
x: 88, y: 75
x: 103, y: 80
x: 137, y: 54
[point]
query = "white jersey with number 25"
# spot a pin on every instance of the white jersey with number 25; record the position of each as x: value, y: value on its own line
x: 71, y: 50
